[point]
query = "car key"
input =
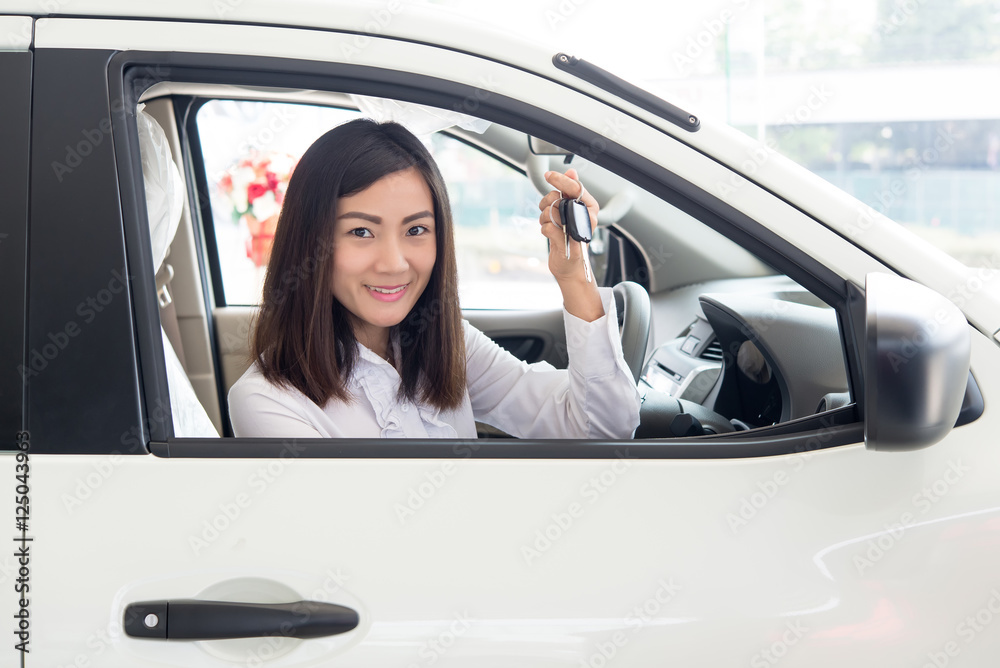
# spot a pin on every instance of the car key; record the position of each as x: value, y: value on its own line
x: 576, y: 219
x: 576, y: 225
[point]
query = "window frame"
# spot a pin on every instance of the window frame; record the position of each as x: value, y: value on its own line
x: 128, y: 71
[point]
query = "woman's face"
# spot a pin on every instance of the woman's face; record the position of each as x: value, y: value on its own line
x: 383, y: 253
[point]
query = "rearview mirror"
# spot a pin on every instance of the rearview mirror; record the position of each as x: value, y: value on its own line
x: 542, y: 147
x: 917, y: 351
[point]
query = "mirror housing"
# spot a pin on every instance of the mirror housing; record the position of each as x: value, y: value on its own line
x: 541, y: 147
x: 917, y: 352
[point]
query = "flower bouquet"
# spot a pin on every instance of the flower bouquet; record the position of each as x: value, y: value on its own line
x: 255, y: 187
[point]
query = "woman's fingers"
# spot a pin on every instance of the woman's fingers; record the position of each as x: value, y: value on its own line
x: 570, y: 186
x: 547, y: 202
x: 551, y: 226
x: 567, y: 185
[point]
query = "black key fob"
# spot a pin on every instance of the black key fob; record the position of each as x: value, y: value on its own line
x: 576, y: 218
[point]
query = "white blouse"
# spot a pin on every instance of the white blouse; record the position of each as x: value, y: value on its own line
x: 595, y: 398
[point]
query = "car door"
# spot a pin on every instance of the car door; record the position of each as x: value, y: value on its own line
x: 548, y: 553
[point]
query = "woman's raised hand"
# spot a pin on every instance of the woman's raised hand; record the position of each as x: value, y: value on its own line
x: 566, y: 185
x: 580, y: 296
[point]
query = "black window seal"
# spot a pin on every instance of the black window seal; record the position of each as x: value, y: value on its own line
x: 764, y: 445
x: 705, y: 207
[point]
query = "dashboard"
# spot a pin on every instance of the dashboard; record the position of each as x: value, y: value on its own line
x: 756, y: 353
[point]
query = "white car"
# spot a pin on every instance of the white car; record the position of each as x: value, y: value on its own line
x: 814, y: 482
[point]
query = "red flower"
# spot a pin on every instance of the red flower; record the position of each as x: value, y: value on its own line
x: 254, y: 191
x: 272, y: 181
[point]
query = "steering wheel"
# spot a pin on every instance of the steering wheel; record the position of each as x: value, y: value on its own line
x: 632, y: 304
x: 660, y: 411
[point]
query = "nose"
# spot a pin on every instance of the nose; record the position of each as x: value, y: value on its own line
x: 391, y: 258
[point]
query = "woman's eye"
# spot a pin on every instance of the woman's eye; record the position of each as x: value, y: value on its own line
x: 362, y: 232
x: 417, y: 229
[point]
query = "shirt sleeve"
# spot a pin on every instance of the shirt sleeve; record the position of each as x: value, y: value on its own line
x: 596, y: 397
x: 258, y: 409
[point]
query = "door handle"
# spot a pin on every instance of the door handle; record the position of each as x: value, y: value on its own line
x: 525, y: 348
x: 188, y: 619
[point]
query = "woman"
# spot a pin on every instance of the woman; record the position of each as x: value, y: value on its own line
x: 360, y: 333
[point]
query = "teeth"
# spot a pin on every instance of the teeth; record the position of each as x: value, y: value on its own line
x: 386, y: 292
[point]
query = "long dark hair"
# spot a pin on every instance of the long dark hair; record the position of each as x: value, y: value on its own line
x: 303, y: 337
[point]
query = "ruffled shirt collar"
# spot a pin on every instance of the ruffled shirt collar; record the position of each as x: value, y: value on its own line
x: 378, y: 381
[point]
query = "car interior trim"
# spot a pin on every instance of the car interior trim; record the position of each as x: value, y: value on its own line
x: 213, y: 291
x: 186, y: 111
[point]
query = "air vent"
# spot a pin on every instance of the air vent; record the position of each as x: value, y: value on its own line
x: 713, y: 352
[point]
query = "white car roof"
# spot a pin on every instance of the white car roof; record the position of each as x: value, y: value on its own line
x: 396, y: 18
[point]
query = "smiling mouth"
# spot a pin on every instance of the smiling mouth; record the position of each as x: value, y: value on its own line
x: 386, y: 291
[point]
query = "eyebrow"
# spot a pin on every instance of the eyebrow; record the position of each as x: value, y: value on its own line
x: 378, y: 220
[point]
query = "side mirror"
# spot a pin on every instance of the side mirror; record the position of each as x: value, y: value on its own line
x: 917, y: 351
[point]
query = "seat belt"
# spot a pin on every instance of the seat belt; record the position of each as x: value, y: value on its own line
x: 168, y: 311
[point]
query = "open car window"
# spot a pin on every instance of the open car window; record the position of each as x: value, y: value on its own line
x: 740, y: 345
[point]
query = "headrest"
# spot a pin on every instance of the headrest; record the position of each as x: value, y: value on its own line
x: 164, y: 195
